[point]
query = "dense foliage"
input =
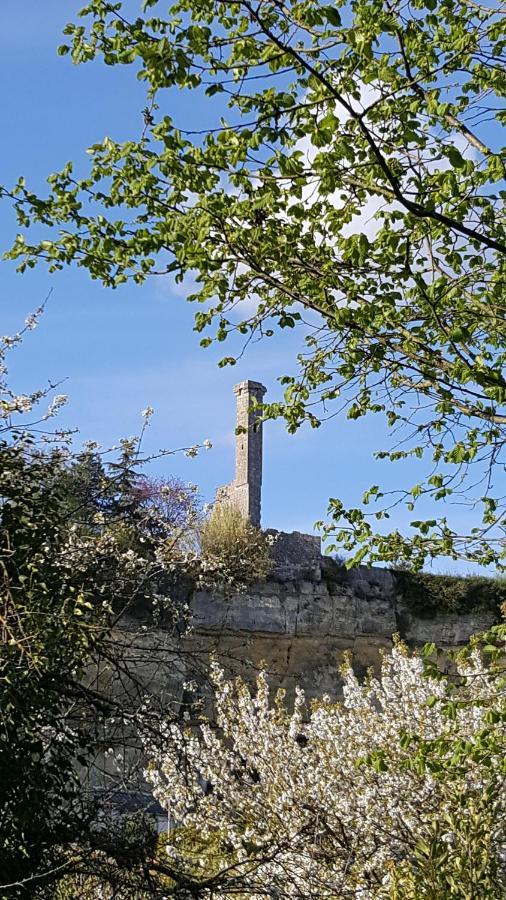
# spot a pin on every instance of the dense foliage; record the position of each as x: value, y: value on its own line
x: 47, y: 635
x: 68, y: 573
x: 398, y: 791
x: 428, y: 594
x: 235, y: 553
x: 350, y: 180
x: 87, y: 540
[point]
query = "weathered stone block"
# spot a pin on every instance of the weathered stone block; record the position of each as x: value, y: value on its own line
x: 296, y: 556
x: 315, y: 615
x: 449, y: 630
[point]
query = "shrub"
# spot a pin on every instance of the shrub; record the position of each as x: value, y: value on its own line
x: 428, y: 594
x: 234, y: 552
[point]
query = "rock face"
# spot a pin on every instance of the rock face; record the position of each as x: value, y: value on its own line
x: 302, y: 607
x: 296, y: 556
x: 298, y: 628
x: 297, y: 625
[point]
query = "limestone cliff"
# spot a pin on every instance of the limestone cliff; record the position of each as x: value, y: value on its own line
x: 299, y: 627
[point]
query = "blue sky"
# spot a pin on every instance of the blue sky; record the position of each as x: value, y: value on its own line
x: 123, y: 350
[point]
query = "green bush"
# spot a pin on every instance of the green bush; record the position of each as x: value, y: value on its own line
x: 428, y: 594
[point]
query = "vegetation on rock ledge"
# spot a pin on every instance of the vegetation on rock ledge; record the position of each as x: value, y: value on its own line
x: 427, y: 594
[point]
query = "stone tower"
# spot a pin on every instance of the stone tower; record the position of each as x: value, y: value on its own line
x: 246, y: 488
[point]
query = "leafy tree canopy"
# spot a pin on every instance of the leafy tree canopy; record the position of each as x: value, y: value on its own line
x: 67, y: 575
x: 352, y: 183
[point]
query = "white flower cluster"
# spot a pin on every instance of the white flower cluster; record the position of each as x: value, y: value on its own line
x: 295, y: 800
x: 20, y: 403
x: 12, y: 404
x: 56, y: 404
x: 192, y: 452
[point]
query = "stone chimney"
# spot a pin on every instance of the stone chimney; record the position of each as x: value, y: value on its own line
x: 246, y: 489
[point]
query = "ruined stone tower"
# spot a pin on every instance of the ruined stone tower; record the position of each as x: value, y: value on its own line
x: 246, y: 489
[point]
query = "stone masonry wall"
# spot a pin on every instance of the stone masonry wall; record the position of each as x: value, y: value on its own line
x: 245, y: 491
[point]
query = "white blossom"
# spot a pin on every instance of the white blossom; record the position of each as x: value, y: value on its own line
x: 55, y: 405
x: 31, y: 321
x: 323, y: 799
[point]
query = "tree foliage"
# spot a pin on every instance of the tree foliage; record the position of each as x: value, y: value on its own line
x: 431, y: 594
x: 97, y: 561
x: 47, y: 636
x: 64, y: 587
x: 350, y: 179
x: 79, y: 551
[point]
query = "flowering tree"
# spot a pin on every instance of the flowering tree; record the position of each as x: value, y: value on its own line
x: 172, y: 503
x: 398, y: 791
